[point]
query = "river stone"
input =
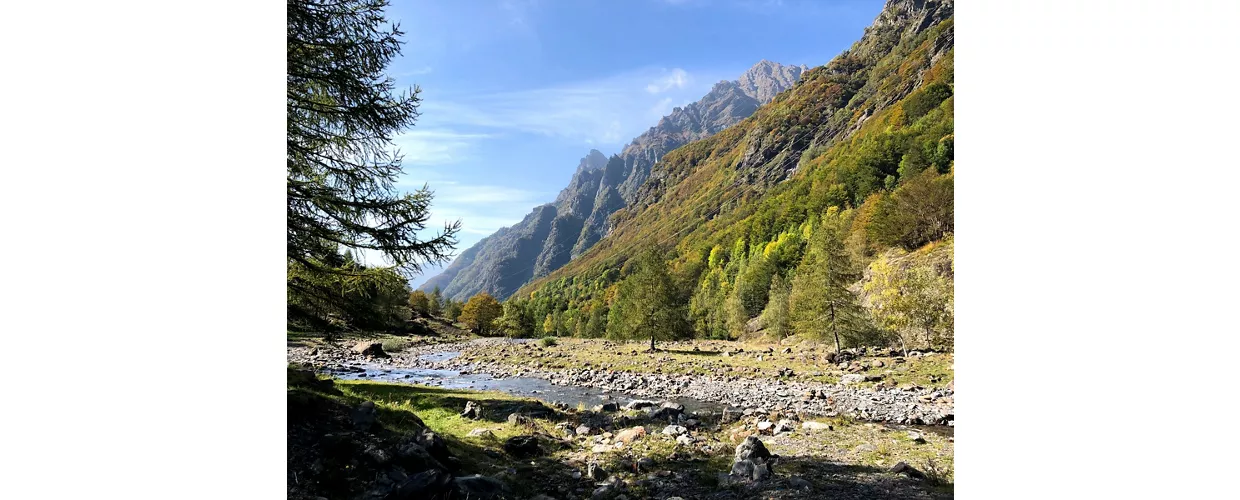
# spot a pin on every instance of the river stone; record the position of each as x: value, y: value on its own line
x: 631, y: 434
x: 608, y: 406
x: 640, y: 404
x: 783, y: 426
x: 674, y: 430
x: 903, y: 468
x: 765, y: 425
x: 479, y: 486
x: 471, y: 411
x: 684, y: 439
x: 522, y: 446
x: 815, y: 426
x: 481, y: 432
x: 370, y: 349
x: 584, y: 430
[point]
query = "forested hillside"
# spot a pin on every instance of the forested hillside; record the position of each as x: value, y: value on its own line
x: 554, y: 233
x: 828, y: 213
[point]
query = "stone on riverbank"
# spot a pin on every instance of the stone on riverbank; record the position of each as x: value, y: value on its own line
x: 370, y: 349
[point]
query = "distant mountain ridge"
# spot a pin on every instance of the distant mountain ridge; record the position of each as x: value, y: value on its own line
x: 553, y: 234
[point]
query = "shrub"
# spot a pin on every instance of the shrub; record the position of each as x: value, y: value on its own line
x: 546, y: 341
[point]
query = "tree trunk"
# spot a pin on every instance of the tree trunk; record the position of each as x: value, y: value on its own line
x: 835, y: 330
x: 652, y: 343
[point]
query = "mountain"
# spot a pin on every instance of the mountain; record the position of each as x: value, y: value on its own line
x: 555, y: 233
x: 863, y: 143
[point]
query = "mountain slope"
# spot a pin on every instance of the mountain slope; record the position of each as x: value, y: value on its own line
x: 868, y: 136
x: 555, y: 233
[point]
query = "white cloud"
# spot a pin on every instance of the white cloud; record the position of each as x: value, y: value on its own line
x: 605, y: 111
x: 676, y: 80
x: 435, y: 146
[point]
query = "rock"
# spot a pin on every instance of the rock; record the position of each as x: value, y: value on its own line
x: 433, y: 444
x: 674, y: 430
x: 541, y: 496
x: 522, y: 446
x: 906, y: 469
x: 865, y: 448
x: 601, y: 448
x: 852, y: 378
x: 751, y: 448
x: 472, y: 411
x: 783, y: 426
x: 640, y: 404
x: 584, y: 430
x: 608, y: 406
x: 667, y: 410
x: 916, y: 437
x: 799, y: 483
x: 815, y: 426
x: 479, y: 486
x: 365, y: 415
x: 684, y: 439
x: 370, y: 349
x: 481, y: 432
x: 645, y: 463
x: 595, y: 471
x: 518, y: 419
x: 631, y: 434
x: 878, y: 363
x: 765, y: 426
x: 425, y: 484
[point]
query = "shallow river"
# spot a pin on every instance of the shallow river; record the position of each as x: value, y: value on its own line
x: 532, y: 387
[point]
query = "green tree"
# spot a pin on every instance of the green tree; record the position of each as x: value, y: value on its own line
x: 820, y: 301
x: 646, y: 303
x: 342, y: 112
x: 776, y: 316
x: 516, y: 322
x: 548, y: 325
x: 436, y: 302
x: 596, y: 326
x: 480, y: 313
x: 419, y: 302
x: 910, y: 302
x: 453, y: 310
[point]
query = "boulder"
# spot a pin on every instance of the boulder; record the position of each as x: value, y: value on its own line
x: 640, y: 404
x: 425, y: 484
x: 684, y: 440
x: 906, y: 469
x: 365, y: 415
x: 674, y: 430
x: 481, y: 432
x: 667, y: 410
x: 479, y: 486
x: 815, y: 426
x: 472, y: 411
x: 518, y: 419
x: 608, y: 406
x: 752, y: 462
x: 583, y: 430
x: 631, y: 434
x: 595, y: 471
x: 783, y: 426
x: 522, y: 446
x: 370, y: 349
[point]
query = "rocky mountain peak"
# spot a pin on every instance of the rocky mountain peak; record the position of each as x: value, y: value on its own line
x: 766, y: 79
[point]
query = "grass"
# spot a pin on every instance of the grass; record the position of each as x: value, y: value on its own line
x: 811, y: 453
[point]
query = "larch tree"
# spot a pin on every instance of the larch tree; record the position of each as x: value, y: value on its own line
x: 647, y: 304
x: 342, y: 112
x: 436, y: 302
x: 480, y: 313
x: 820, y: 301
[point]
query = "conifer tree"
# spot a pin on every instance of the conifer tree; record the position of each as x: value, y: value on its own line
x: 820, y: 301
x: 342, y: 112
x: 436, y: 302
x: 646, y: 305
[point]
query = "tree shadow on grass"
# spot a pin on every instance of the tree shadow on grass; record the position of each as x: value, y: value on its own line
x: 692, y: 352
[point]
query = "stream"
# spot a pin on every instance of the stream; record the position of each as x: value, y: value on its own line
x: 537, y: 388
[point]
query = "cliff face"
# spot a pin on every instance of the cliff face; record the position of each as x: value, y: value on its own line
x: 553, y: 234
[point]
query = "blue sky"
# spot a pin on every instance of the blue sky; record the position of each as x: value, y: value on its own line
x: 516, y: 92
